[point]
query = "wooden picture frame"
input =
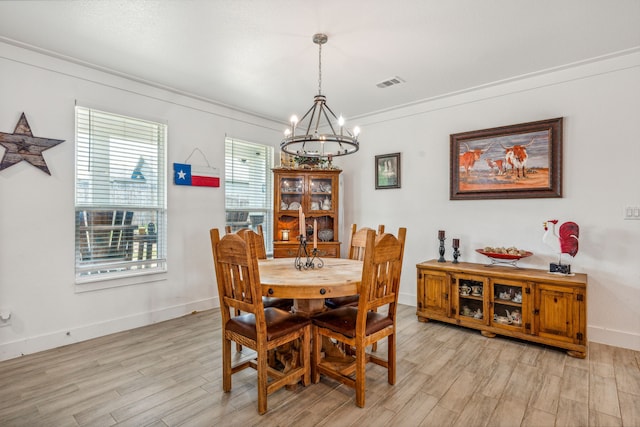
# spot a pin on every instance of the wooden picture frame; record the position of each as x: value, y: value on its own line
x: 509, y: 162
x: 388, y: 171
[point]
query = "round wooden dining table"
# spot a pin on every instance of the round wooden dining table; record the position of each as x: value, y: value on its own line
x: 338, y: 277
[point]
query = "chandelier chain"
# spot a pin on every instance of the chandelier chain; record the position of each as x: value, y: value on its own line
x: 320, y: 69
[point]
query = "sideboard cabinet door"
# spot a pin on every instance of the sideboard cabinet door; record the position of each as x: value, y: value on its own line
x: 557, y: 312
x: 433, y: 293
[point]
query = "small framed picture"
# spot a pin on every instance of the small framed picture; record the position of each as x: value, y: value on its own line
x: 388, y: 171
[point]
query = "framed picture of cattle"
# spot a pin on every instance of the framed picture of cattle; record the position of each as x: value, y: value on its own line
x: 508, y: 162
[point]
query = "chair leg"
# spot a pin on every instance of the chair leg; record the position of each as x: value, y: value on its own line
x: 374, y: 346
x: 360, y: 375
x: 226, y: 365
x: 238, y: 346
x: 306, y: 355
x: 315, y: 356
x: 262, y: 382
x: 391, y: 359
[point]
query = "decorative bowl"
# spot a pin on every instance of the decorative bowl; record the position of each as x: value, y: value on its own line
x: 325, y: 235
x: 504, y: 256
x: 293, y: 206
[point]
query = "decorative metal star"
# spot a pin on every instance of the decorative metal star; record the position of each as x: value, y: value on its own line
x: 22, y: 145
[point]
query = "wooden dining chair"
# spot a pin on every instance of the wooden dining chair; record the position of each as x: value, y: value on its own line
x: 261, y: 329
x: 261, y: 253
x: 361, y: 326
x: 283, y: 303
x: 357, y: 243
x: 261, y: 250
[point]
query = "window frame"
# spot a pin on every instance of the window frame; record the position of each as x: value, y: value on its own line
x: 236, y: 209
x: 106, y: 182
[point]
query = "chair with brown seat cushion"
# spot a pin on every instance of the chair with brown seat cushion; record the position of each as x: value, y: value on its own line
x: 361, y: 326
x: 261, y: 252
x: 261, y: 329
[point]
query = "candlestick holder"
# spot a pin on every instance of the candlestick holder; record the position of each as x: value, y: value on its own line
x: 441, y: 259
x: 456, y: 254
x: 304, y: 260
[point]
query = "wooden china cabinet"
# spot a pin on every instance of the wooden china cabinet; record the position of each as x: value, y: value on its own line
x: 316, y: 191
x: 524, y: 303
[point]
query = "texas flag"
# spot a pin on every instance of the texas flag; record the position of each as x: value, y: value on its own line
x: 197, y: 176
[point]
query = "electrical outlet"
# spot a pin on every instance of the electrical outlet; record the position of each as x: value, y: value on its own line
x: 5, y: 317
x: 632, y: 212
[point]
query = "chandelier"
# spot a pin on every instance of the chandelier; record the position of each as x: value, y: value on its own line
x: 315, y: 134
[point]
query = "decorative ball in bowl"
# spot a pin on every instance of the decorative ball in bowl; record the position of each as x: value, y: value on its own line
x: 325, y: 235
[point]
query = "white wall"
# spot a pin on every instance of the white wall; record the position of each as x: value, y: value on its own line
x: 37, y: 210
x: 600, y: 103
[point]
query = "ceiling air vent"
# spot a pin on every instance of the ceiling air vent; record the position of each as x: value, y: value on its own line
x: 390, y: 82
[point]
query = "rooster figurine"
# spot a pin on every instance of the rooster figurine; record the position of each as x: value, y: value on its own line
x: 564, y: 243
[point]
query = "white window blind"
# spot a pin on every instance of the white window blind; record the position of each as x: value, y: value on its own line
x: 120, y: 196
x: 249, y: 187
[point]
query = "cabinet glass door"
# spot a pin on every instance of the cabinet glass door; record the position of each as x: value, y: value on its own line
x: 291, y: 191
x: 508, y: 303
x: 471, y: 297
x: 321, y: 194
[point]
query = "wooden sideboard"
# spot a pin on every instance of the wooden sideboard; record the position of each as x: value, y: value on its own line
x: 524, y: 303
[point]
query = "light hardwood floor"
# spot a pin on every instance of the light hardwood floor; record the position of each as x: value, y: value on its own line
x: 168, y: 374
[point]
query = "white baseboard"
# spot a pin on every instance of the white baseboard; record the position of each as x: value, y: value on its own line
x: 407, y: 299
x: 616, y: 338
x: 48, y: 341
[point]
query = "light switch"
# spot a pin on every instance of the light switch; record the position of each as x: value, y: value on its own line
x: 632, y: 212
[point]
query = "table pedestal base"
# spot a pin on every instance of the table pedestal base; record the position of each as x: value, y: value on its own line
x: 288, y: 355
x: 308, y: 307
